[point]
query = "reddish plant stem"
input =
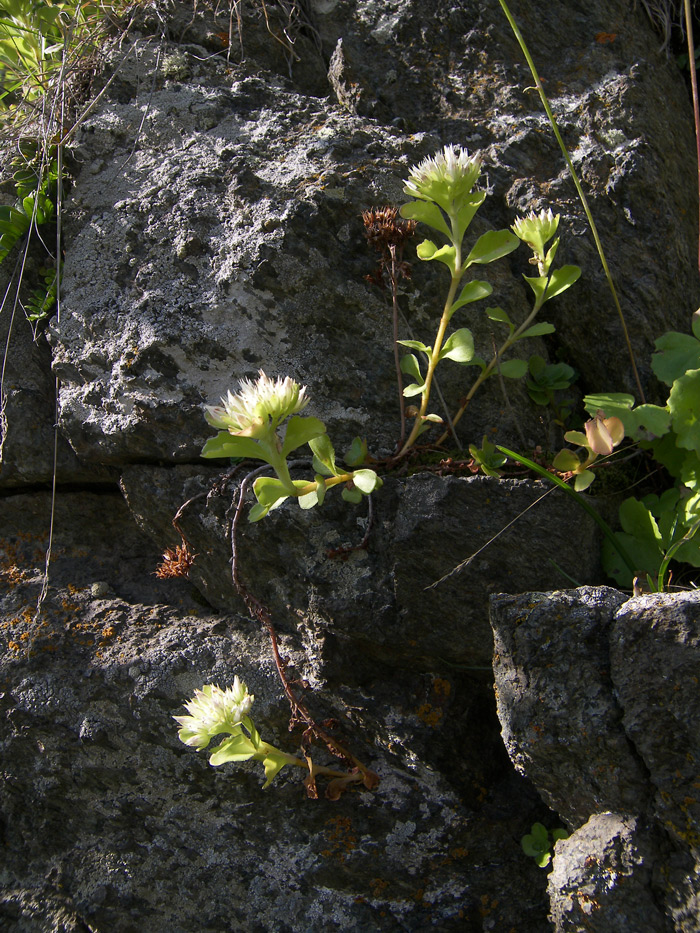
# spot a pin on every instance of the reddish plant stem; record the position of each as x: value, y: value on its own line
x: 258, y: 611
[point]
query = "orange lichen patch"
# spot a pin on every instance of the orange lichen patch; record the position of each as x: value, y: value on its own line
x: 604, y: 38
x: 487, y: 905
x: 341, y: 838
x: 442, y: 687
x: 378, y: 886
x: 429, y: 714
x: 432, y: 711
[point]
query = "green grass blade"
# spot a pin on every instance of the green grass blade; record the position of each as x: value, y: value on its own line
x: 579, y: 189
x: 545, y: 474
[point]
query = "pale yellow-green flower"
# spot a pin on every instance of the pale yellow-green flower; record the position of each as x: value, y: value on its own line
x: 212, y: 711
x: 445, y: 177
x: 258, y: 406
x: 536, y: 230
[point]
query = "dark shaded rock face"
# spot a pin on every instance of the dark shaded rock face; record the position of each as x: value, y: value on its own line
x: 213, y: 228
x: 597, y: 697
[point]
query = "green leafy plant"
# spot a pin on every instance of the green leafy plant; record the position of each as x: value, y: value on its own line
x: 214, y: 711
x: 659, y: 528
x: 446, y: 201
x: 250, y: 421
x: 546, y: 379
x: 538, y: 843
x: 487, y: 457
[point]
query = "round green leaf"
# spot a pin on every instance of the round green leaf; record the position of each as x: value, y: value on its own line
x: 428, y: 213
x: 459, y: 346
x: 491, y: 246
x: 513, y: 369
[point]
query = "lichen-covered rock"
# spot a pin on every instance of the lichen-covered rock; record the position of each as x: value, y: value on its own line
x: 561, y: 723
x: 377, y: 600
x: 597, y: 697
x: 213, y: 228
x: 110, y: 823
x: 601, y: 879
x: 214, y: 225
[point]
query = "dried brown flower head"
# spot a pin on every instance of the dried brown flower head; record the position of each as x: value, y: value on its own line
x: 385, y: 227
x: 176, y: 562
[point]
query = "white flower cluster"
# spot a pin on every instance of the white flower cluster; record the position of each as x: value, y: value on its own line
x: 452, y: 170
x: 536, y: 229
x: 258, y: 405
x: 212, y: 711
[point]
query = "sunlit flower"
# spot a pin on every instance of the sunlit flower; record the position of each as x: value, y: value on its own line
x: 258, y: 406
x: 445, y: 177
x: 603, y: 434
x: 212, y: 711
x: 537, y: 229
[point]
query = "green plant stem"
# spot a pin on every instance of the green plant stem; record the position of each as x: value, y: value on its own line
x: 434, y: 358
x: 670, y: 553
x: 577, y: 183
x: 397, y: 362
x: 497, y: 357
x: 307, y: 765
x: 545, y: 474
x: 694, y: 86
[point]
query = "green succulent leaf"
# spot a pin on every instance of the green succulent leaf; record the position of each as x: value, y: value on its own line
x: 428, y: 213
x: 269, y: 491
x: 513, y: 369
x: 583, y: 480
x: 229, y: 445
x: 352, y: 495
x: 366, y: 481
x: 257, y: 512
x: 409, y: 365
x: 491, y: 246
x: 459, y: 346
x: 273, y: 763
x: 498, y: 314
x: 309, y: 499
x: 566, y: 461
x: 427, y: 250
x: 469, y: 205
x: 538, y: 330
x: 554, y: 285
x: 416, y: 345
x: 300, y: 431
x: 473, y: 291
x: 324, y: 456
x: 357, y: 452
x: 238, y: 748
x: 413, y: 389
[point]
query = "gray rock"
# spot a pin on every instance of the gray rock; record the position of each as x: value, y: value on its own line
x: 212, y: 229
x: 597, y: 697
x: 109, y: 822
x: 256, y: 186
x: 601, y: 879
x: 561, y: 723
x: 377, y: 600
x: 655, y: 665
